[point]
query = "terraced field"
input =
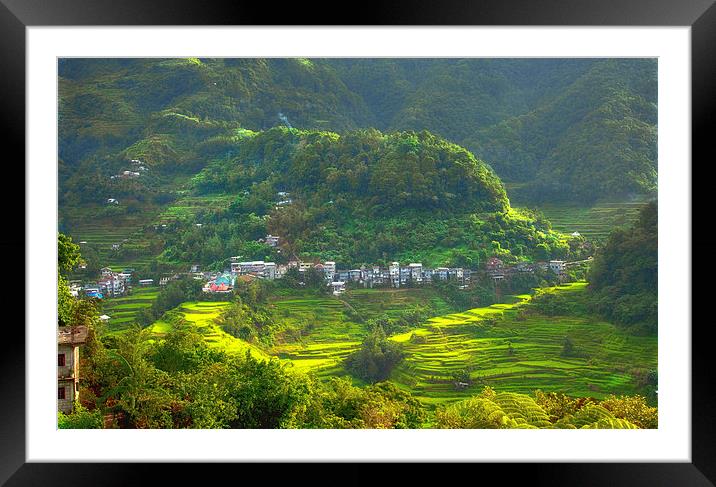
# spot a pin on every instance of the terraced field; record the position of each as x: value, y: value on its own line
x: 496, y: 345
x: 202, y: 315
x: 594, y: 222
x: 603, y: 363
x: 186, y: 207
x: 332, y: 335
x: 335, y: 331
x: 127, y: 231
x: 123, y: 310
x: 370, y: 303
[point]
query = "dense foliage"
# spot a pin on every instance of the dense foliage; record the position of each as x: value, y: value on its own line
x: 376, y: 358
x: 359, y: 198
x: 624, y: 275
x: 571, y: 124
x: 492, y: 410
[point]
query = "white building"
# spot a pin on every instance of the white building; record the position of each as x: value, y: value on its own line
x: 557, y: 266
x: 416, y: 272
x: 272, y: 240
x: 338, y: 287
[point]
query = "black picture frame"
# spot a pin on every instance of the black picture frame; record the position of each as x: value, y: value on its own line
x: 16, y: 15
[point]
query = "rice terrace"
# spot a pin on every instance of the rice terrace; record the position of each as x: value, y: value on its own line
x: 277, y: 243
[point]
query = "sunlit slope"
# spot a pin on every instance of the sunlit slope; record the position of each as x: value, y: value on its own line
x: 479, y: 341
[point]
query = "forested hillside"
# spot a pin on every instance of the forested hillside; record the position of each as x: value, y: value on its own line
x: 624, y: 277
x: 564, y: 127
x: 359, y: 198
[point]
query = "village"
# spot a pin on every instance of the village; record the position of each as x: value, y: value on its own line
x: 396, y: 275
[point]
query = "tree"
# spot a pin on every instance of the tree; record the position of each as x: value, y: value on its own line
x: 68, y: 253
x: 68, y: 256
x: 376, y: 358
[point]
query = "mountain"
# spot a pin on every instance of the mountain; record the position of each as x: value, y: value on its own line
x: 362, y: 197
x: 561, y: 127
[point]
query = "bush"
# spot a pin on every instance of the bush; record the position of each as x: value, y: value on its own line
x: 376, y: 358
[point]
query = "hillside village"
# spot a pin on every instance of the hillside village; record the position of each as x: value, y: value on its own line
x: 396, y: 275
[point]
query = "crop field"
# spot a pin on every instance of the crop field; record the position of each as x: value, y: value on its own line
x: 126, y: 231
x: 497, y: 348
x: 186, y: 207
x: 202, y: 316
x: 334, y: 330
x: 494, y: 344
x: 594, y: 222
x: 332, y: 334
x: 370, y: 303
x: 123, y: 310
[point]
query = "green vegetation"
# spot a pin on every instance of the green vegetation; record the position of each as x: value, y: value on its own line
x: 571, y: 128
x: 376, y: 358
x: 124, y: 311
x: 362, y: 162
x: 362, y: 197
x: 491, y: 410
x: 594, y: 222
x: 624, y: 276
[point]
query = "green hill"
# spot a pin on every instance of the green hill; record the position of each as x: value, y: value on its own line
x: 359, y: 198
x: 565, y: 126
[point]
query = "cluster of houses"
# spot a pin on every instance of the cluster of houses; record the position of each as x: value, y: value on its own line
x: 394, y: 275
x: 136, y: 171
x: 497, y: 270
x: 111, y: 284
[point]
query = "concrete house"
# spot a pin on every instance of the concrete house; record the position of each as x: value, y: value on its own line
x: 338, y: 287
x: 557, y: 266
x: 69, y: 339
x: 329, y: 270
x: 272, y: 240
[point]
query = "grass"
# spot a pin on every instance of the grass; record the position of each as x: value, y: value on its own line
x: 606, y: 357
x: 478, y: 340
x: 202, y: 316
x: 122, y: 311
x: 594, y: 222
x: 336, y: 324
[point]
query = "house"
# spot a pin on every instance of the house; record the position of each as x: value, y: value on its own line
x: 146, y: 282
x: 416, y: 272
x: 221, y: 284
x: 116, y: 246
x: 112, y: 201
x: 338, y: 287
x: 557, y: 266
x: 442, y: 273
x: 69, y: 339
x: 256, y: 267
x: 329, y: 270
x: 195, y: 268
x: 93, y: 292
x: 106, y: 271
x: 493, y: 265
x: 104, y: 318
x: 272, y: 240
x: 304, y: 266
x: 111, y: 285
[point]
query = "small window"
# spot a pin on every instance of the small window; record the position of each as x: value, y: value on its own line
x: 60, y: 393
x: 60, y: 359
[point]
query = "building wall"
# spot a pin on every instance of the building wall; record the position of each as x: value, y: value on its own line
x: 68, y: 377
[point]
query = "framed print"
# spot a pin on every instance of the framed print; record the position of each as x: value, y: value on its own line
x: 453, y: 234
